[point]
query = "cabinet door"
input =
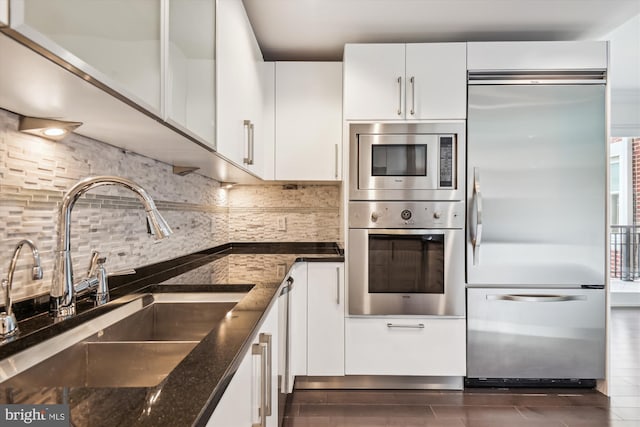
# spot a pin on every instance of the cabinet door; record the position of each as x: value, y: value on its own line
x: 241, y: 403
x: 308, y: 149
x: 270, y: 328
x: 190, y: 85
x: 238, y: 75
x: 325, y: 341
x: 298, y: 325
x: 82, y: 33
x: 436, y: 81
x: 235, y: 406
x: 405, y: 346
x: 374, y: 81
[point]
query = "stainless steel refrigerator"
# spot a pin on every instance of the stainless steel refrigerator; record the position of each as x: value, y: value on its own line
x: 536, y: 235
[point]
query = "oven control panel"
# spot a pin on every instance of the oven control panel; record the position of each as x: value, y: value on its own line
x: 406, y: 215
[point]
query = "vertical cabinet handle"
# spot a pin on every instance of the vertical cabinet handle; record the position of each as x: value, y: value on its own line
x: 251, y: 143
x: 399, y: 96
x: 413, y: 95
x: 247, y: 144
x: 261, y: 350
x: 338, y: 285
x: 266, y: 340
x: 336, y: 161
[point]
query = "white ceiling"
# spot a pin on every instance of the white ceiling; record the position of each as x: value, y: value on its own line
x: 318, y: 29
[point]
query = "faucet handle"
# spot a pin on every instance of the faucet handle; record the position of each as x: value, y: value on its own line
x: 101, y: 295
x: 93, y: 264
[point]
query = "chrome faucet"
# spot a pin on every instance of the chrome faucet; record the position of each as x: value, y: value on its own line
x: 62, y: 295
x: 8, y: 323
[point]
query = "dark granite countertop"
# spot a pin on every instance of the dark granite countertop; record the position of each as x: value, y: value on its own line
x: 190, y: 393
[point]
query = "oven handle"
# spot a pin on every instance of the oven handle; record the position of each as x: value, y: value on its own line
x: 410, y: 231
x: 476, y: 228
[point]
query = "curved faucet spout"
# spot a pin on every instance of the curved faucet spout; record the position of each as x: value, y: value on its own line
x: 62, y: 300
x: 8, y: 324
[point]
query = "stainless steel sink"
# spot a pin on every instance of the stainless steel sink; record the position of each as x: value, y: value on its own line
x: 167, y: 322
x: 106, y: 364
x: 135, y: 345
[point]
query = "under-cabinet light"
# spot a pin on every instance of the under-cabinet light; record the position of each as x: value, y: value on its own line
x: 47, y: 128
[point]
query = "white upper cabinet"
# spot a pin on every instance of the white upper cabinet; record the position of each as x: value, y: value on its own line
x: 436, y: 75
x: 562, y: 55
x: 374, y: 81
x: 117, y: 42
x: 308, y: 150
x: 240, y: 69
x: 4, y: 13
x: 190, y: 83
x: 405, y: 81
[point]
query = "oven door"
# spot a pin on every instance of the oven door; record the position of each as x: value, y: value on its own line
x: 406, y: 272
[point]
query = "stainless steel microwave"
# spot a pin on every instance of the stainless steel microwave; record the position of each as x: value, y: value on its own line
x: 406, y: 161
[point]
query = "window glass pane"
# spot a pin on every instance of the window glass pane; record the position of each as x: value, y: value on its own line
x: 615, y: 175
x: 615, y: 209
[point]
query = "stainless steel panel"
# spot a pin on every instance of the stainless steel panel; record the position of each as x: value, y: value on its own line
x: 407, y: 191
x: 381, y: 382
x: 535, y: 333
x: 361, y: 302
x: 540, y: 155
x: 422, y: 215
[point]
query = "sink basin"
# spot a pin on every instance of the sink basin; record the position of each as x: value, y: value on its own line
x: 135, y: 345
x: 166, y: 321
x: 106, y: 364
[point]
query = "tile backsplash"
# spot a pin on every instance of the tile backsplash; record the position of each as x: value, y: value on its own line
x: 35, y: 173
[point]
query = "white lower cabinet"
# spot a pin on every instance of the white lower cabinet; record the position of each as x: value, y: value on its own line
x: 243, y: 404
x: 325, y: 317
x: 317, y: 319
x: 405, y: 346
x: 298, y: 323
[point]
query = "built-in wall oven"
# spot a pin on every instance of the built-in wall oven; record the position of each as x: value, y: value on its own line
x: 406, y: 258
x: 403, y: 161
x: 405, y: 245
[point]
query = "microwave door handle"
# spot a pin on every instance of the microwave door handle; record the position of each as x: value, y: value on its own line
x: 476, y: 228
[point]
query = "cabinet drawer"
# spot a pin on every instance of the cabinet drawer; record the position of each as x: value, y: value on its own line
x: 405, y: 346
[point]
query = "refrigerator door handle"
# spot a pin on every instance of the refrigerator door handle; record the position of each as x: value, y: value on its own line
x: 476, y: 226
x: 536, y: 298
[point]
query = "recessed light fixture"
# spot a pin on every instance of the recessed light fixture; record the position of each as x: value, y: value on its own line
x: 46, y: 128
x: 184, y: 170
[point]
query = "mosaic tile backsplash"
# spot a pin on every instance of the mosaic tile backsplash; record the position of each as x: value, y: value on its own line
x: 35, y: 173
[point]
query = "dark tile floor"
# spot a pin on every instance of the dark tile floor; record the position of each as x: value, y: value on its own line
x: 488, y: 407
